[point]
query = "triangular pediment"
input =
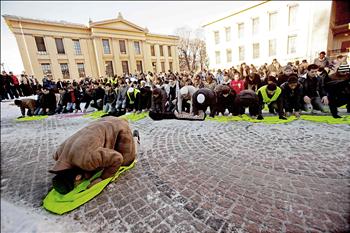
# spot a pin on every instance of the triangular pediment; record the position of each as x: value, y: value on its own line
x: 118, y: 24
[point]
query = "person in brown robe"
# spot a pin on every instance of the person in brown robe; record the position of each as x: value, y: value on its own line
x: 104, y: 144
x: 26, y: 104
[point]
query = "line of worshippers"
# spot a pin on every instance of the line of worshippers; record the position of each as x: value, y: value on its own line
x: 284, y: 94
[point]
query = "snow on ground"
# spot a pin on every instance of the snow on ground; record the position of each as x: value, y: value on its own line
x: 16, y: 219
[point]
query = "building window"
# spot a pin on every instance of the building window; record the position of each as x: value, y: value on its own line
x: 46, y: 67
x: 122, y: 46
x: 292, y: 44
x: 240, y: 30
x: 137, y: 47
x: 125, y: 67
x: 256, y: 50
x: 161, y: 50
x: 40, y: 45
x: 139, y: 66
x: 59, y: 45
x: 272, y: 47
x: 65, y: 70
x: 228, y: 33
x: 81, y: 70
x: 217, y: 37
x: 229, y: 55
x: 255, y: 23
x: 106, y: 48
x: 217, y: 57
x: 169, y: 51
x: 162, y: 65
x: 241, y: 53
x: 109, y: 68
x: 154, y: 65
x: 272, y: 21
x: 171, y: 66
x: 153, y: 53
x: 77, y: 48
x: 292, y: 18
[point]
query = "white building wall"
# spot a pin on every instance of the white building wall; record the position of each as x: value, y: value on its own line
x: 311, y: 29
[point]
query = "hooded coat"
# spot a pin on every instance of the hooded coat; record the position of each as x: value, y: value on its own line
x: 104, y: 144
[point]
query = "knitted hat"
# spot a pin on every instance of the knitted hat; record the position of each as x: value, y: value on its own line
x: 271, y: 87
x: 293, y: 79
x: 343, y: 68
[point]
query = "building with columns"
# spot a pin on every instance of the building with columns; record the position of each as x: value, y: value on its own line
x: 287, y: 30
x: 105, y: 48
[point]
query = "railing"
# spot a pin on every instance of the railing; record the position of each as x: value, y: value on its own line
x: 338, y: 51
x: 332, y: 54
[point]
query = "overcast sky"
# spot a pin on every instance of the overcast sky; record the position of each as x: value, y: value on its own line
x: 158, y: 17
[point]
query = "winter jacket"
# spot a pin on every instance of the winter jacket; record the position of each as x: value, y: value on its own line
x: 104, y: 144
x: 209, y: 101
x: 292, y: 98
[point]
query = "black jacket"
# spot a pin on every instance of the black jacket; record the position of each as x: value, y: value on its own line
x: 313, y: 87
x: 110, y: 97
x: 292, y: 98
x: 210, y: 101
x: 48, y: 101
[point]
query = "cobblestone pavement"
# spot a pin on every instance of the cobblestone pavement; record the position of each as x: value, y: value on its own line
x: 195, y: 176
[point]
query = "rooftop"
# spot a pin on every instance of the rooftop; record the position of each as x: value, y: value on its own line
x: 69, y: 24
x: 239, y: 10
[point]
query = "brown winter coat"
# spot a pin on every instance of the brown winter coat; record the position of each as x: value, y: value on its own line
x: 28, y: 103
x: 104, y: 144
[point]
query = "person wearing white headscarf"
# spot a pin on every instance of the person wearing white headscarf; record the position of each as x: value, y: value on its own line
x: 185, y: 94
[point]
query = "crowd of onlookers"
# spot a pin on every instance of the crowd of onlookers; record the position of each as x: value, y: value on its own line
x: 286, y: 90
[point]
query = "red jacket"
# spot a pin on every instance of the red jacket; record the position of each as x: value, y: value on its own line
x: 15, y: 80
x: 238, y: 86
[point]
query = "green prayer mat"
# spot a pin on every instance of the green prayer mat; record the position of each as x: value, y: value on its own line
x: 135, y: 116
x: 95, y: 115
x: 130, y: 116
x: 31, y: 118
x: 276, y: 120
x: 60, y: 204
x: 266, y: 120
x: 327, y: 119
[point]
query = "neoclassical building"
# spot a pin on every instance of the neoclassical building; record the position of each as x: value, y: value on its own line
x: 105, y: 48
x: 287, y: 30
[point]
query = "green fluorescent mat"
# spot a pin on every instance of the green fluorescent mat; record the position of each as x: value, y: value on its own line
x: 60, y: 204
x: 95, y: 115
x: 266, y: 120
x: 327, y: 119
x: 135, y: 116
x: 276, y: 120
x: 31, y: 118
x: 130, y: 116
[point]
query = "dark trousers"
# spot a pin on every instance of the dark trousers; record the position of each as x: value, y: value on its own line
x: 335, y: 102
x: 241, y: 104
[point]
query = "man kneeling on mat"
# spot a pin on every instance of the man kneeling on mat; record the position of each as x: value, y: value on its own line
x: 104, y: 144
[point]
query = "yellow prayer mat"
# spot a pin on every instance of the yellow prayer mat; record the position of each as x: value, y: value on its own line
x: 95, y: 115
x: 31, y: 118
x: 135, y: 116
x: 327, y: 119
x: 266, y: 120
x: 130, y: 116
x: 60, y: 204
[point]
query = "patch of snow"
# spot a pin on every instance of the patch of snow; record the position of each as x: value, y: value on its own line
x: 15, y: 219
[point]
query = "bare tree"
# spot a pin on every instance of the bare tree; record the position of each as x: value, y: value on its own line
x: 192, y: 49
